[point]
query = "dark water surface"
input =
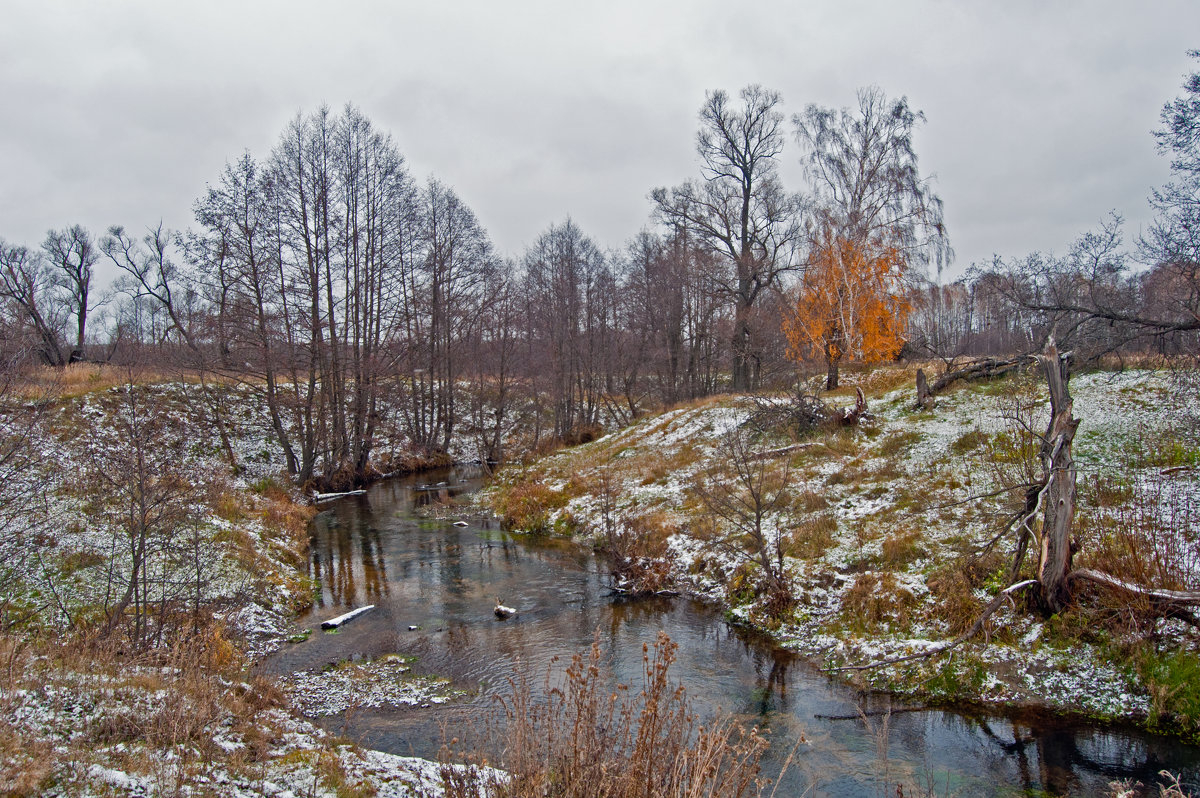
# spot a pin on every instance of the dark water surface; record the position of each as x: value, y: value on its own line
x: 373, y: 549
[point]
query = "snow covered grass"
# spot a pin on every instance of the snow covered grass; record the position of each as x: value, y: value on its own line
x: 83, y: 721
x: 103, y: 697
x: 888, y: 537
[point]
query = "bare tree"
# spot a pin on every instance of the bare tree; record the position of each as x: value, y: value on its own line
x: 742, y: 493
x: 561, y: 270
x: 138, y: 486
x: 866, y: 181
x: 73, y: 253
x: 27, y: 283
x: 739, y: 210
x: 1174, y: 236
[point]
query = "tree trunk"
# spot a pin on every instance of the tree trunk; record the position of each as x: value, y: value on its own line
x: 1054, y: 562
x: 924, y: 400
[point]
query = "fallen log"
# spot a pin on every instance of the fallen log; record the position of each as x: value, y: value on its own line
x: 985, y: 368
x: 334, y: 623
x: 328, y: 497
x: 1181, y: 597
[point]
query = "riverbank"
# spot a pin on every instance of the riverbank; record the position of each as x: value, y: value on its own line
x: 891, y: 536
x: 149, y: 558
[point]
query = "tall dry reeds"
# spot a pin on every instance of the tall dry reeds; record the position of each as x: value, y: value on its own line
x: 585, y: 740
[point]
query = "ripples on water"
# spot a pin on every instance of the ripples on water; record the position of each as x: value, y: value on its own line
x: 445, y: 579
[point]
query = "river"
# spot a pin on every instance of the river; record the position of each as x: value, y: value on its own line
x: 444, y: 579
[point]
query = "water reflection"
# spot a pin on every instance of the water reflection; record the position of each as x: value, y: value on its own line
x: 444, y: 579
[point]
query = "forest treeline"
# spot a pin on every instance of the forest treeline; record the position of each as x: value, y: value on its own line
x: 352, y: 295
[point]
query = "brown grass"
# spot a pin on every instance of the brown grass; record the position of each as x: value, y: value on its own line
x: 153, y: 714
x: 875, y: 602
x: 637, y: 550
x: 898, y: 443
x: 528, y: 505
x: 812, y: 536
x: 903, y: 546
x: 955, y: 603
x: 589, y: 740
x: 79, y: 379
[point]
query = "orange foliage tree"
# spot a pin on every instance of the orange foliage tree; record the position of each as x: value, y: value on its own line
x: 850, y: 305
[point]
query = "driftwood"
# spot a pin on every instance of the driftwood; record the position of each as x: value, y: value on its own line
x: 334, y: 623
x: 1157, y: 595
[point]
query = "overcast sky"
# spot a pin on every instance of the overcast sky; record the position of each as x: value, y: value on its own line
x: 1038, y: 113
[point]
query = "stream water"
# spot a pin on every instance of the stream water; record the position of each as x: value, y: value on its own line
x: 375, y: 549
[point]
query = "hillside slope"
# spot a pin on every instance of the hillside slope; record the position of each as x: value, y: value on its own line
x: 891, y: 533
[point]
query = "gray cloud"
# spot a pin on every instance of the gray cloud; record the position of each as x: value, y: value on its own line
x: 1038, y: 114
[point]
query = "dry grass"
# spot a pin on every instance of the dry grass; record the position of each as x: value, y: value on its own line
x: 955, y: 605
x: 898, y: 443
x: 1148, y: 539
x: 155, y: 714
x: 902, y: 547
x: 527, y: 506
x: 588, y: 740
x: 876, y: 602
x: 79, y: 379
x: 637, y: 550
x: 812, y: 536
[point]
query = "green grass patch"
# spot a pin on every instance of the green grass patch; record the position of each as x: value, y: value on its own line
x: 1173, y: 681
